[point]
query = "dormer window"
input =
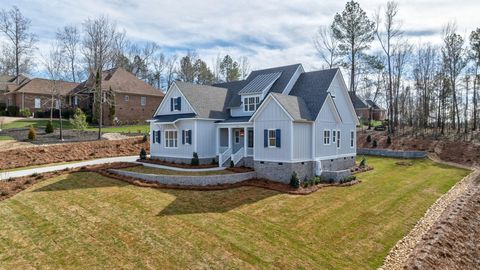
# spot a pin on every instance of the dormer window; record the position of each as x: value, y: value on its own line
x: 175, y: 104
x: 250, y: 104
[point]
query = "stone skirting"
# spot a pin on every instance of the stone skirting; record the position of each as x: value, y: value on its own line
x: 336, y: 176
x: 338, y: 164
x: 179, y: 160
x: 391, y: 153
x: 188, y: 180
x: 282, y: 171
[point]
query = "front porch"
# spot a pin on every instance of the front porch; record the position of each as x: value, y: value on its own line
x: 234, y: 142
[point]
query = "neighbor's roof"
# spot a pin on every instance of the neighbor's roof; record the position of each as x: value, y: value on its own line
x: 295, y: 106
x: 120, y: 81
x: 260, y: 83
x: 207, y: 101
x: 313, y: 87
x: 372, y: 104
x: 5, y: 78
x: 45, y: 87
x: 356, y: 101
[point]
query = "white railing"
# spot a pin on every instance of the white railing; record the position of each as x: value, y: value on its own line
x: 224, y: 156
x: 250, y: 151
x: 238, y: 156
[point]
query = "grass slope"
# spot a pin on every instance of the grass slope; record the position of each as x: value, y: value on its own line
x: 87, y: 221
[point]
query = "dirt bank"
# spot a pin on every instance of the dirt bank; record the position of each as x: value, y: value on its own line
x: 40, y: 155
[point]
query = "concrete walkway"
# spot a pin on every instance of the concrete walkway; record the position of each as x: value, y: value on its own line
x: 52, y: 168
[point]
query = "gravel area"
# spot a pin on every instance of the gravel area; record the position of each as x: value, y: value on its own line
x: 414, y: 250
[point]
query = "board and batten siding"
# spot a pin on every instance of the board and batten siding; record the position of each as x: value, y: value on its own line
x: 206, y: 138
x: 272, y: 117
x: 173, y: 92
x: 183, y: 150
x: 302, y: 141
x: 341, y: 98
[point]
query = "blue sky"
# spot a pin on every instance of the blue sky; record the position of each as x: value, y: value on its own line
x: 268, y: 32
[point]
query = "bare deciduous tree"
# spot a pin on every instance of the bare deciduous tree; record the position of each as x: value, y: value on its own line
x: 327, y: 46
x: 69, y: 38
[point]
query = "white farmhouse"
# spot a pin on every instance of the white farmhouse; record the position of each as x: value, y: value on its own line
x: 277, y: 121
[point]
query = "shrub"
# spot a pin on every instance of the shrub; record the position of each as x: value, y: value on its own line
x: 348, y: 179
x: 145, y: 138
x: 232, y: 164
x: 25, y: 112
x: 389, y: 140
x: 195, y: 161
x: 79, y: 120
x: 32, y: 134
x: 143, y: 154
x: 369, y: 138
x: 374, y: 143
x: 213, y: 161
x: 49, y: 128
x: 363, y: 162
x: 294, y: 182
x: 4, y: 193
x: 12, y: 111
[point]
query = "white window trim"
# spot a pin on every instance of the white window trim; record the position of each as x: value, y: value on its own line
x: 175, y: 104
x: 35, y: 101
x: 256, y: 100
x: 352, y: 138
x: 274, y: 138
x: 185, y: 136
x: 126, y: 98
x: 143, y: 101
x: 75, y: 100
x: 334, y: 136
x: 325, y: 137
x: 339, y: 145
x: 166, y: 144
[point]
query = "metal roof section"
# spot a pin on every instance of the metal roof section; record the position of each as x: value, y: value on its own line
x: 260, y: 83
x: 170, y: 118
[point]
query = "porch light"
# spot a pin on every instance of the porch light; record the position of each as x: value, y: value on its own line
x: 242, y: 132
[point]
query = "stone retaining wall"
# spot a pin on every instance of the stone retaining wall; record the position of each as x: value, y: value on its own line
x: 391, y: 153
x: 189, y: 180
x: 179, y: 160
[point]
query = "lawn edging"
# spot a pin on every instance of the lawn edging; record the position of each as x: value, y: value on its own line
x: 188, y: 180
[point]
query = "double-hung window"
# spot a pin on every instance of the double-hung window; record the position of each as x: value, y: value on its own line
x: 352, y: 139
x: 143, y: 101
x: 171, y: 139
x: 326, y: 137
x: 338, y: 138
x: 272, y: 139
x: 334, y: 136
x: 126, y: 98
x: 250, y: 104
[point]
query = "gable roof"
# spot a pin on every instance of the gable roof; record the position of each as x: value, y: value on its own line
x: 295, y: 106
x: 356, y: 101
x: 373, y: 105
x: 207, y: 101
x: 313, y: 87
x: 260, y: 83
x: 120, y: 81
x: 44, y: 86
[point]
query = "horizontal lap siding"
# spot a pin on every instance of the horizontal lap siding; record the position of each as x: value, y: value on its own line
x: 272, y: 117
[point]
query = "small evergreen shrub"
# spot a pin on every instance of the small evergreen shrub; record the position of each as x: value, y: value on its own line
x: 363, y: 162
x: 143, y: 154
x: 369, y: 138
x: 232, y: 164
x: 374, y: 144
x: 389, y: 140
x: 213, y: 161
x: 195, y: 161
x: 25, y: 112
x: 49, y: 128
x: 145, y: 138
x: 79, y: 120
x: 32, y: 134
x: 294, y: 181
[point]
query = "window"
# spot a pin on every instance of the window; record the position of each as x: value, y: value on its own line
x: 126, y: 98
x: 143, y: 101
x: 38, y: 103
x: 326, y: 137
x: 75, y: 100
x: 187, y: 136
x: 237, y: 136
x: 352, y: 139
x: 171, y: 139
x: 338, y: 138
x: 250, y: 138
x: 175, y: 104
x: 334, y: 136
x: 272, y: 139
x: 250, y: 104
x: 57, y: 104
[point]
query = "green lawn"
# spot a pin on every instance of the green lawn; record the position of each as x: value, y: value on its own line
x: 5, y: 138
x: 42, y: 123
x: 144, y: 169
x: 86, y: 221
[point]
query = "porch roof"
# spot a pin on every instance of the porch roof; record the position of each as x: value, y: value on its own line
x: 240, y: 119
x: 172, y: 117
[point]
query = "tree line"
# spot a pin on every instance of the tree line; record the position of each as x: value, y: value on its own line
x: 425, y: 87
x: 99, y: 44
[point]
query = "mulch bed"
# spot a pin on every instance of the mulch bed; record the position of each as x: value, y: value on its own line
x: 10, y: 187
x: 261, y: 183
x: 358, y: 169
x: 177, y: 165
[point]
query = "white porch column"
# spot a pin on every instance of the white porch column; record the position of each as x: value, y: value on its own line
x: 217, y: 141
x: 245, y: 137
x: 229, y: 137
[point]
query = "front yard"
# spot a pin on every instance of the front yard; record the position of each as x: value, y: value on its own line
x: 84, y: 220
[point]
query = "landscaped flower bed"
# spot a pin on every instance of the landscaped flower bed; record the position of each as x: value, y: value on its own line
x: 178, y: 165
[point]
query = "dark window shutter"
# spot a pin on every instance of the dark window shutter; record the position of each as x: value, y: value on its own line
x: 179, y: 102
x: 190, y: 136
x: 183, y: 136
x: 159, y: 136
x: 278, y: 137
x: 154, y: 133
x: 171, y: 104
x: 265, y: 138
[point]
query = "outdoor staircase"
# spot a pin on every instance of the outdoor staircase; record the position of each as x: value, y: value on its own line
x: 227, y: 156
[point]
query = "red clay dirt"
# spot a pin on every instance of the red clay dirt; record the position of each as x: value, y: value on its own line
x: 41, y: 155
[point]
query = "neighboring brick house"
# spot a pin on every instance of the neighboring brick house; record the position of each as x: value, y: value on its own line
x: 135, y: 100
x: 9, y: 84
x: 36, y: 94
x: 367, y: 109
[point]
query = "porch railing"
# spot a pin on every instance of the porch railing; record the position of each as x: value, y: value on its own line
x: 224, y: 156
x: 238, y: 156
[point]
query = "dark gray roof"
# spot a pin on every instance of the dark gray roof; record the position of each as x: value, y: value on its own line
x: 295, y: 106
x: 372, y: 104
x: 312, y: 88
x: 241, y: 119
x: 356, y: 101
x: 260, y: 83
x: 172, y: 117
x: 279, y: 85
x: 207, y: 101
